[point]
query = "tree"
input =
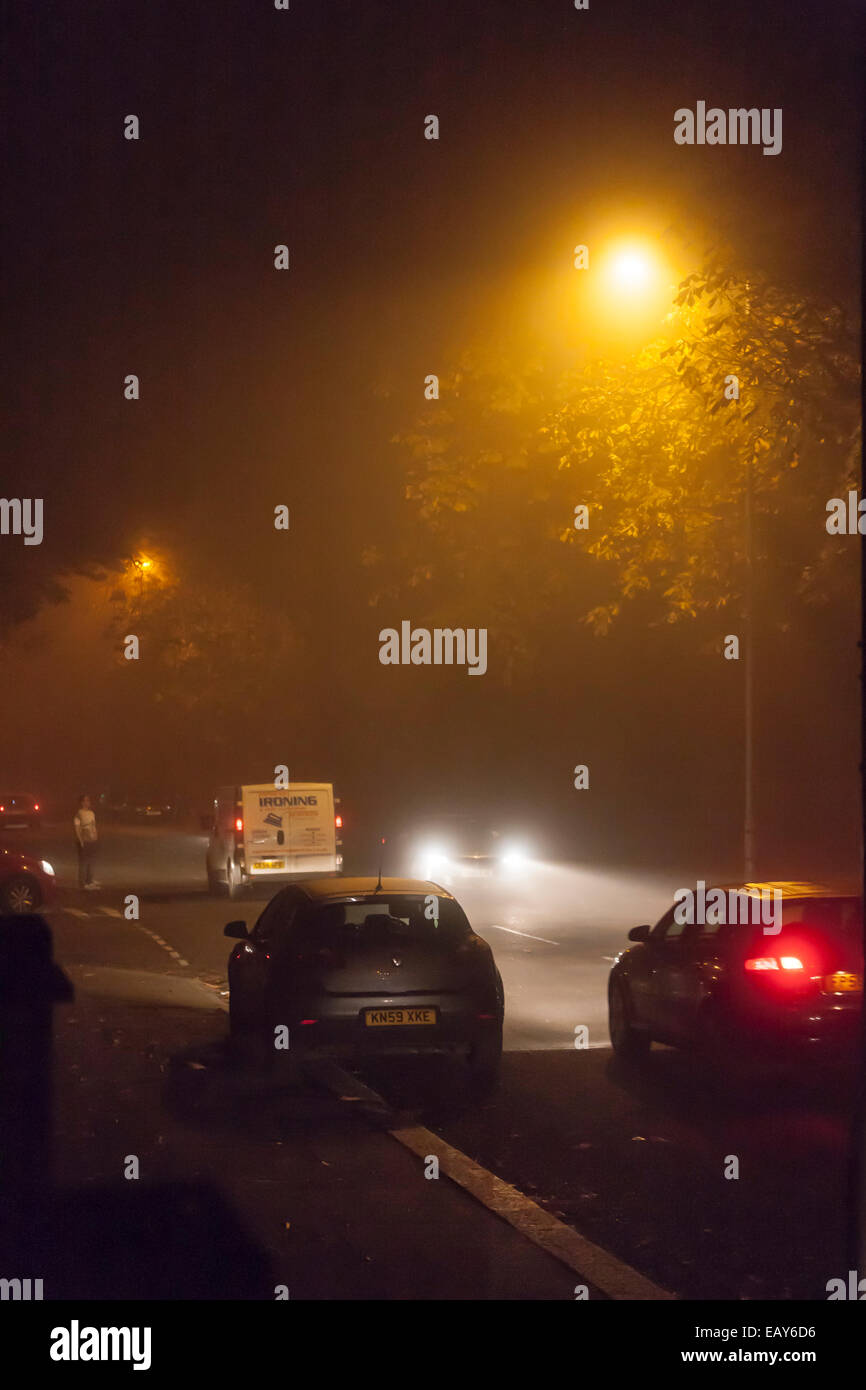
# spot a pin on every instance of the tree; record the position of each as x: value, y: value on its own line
x: 213, y: 661
x: 658, y: 447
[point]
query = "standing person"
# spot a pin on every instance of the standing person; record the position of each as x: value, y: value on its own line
x: 84, y: 825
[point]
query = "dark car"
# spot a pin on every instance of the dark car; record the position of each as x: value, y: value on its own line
x: 734, y: 991
x: 18, y: 811
x: 149, y: 811
x: 354, y: 968
x: 26, y: 884
x: 138, y: 808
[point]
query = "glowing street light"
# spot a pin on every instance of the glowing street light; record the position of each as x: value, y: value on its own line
x: 630, y: 270
x: 628, y: 292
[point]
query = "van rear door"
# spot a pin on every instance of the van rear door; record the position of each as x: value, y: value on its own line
x: 290, y: 830
x: 312, y: 833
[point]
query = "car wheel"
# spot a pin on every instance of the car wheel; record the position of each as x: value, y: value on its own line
x: 233, y: 880
x: 245, y: 1042
x: 20, y: 895
x: 626, y: 1040
x: 719, y: 1049
x: 484, y: 1062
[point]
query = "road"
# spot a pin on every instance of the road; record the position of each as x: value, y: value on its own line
x: 618, y: 1174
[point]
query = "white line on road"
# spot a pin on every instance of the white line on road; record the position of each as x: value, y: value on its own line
x: 597, y: 1266
x: 494, y: 926
x: 75, y: 912
x: 109, y: 911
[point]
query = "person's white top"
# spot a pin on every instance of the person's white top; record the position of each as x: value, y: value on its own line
x: 85, y: 824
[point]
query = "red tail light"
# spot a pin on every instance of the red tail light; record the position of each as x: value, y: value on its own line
x: 775, y: 963
x: 36, y: 806
x: 338, y: 822
x: 239, y: 823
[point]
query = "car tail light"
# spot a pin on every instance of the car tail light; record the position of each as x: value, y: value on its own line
x: 239, y: 823
x: 36, y: 805
x: 775, y: 963
x: 338, y: 822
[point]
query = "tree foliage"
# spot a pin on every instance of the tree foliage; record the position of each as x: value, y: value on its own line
x: 661, y: 448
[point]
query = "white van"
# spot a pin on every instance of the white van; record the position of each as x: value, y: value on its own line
x: 262, y: 832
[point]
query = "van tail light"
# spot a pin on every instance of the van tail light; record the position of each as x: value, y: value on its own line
x: 36, y: 805
x: 338, y: 822
x: 239, y: 823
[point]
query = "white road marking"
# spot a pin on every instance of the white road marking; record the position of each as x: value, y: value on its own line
x: 611, y: 1276
x: 75, y: 912
x: 494, y: 926
x: 109, y: 911
x: 594, y: 1264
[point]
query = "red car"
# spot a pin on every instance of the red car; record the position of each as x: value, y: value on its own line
x: 26, y: 884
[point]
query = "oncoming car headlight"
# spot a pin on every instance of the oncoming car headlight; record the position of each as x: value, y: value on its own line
x: 432, y: 859
x: 513, y: 857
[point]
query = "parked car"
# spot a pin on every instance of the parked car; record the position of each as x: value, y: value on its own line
x: 26, y: 884
x: 736, y: 993
x: 18, y: 811
x: 358, y: 967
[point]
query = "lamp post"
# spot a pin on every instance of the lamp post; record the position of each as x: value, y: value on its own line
x: 749, y: 690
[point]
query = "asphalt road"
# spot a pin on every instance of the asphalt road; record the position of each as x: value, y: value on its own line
x: 320, y: 1187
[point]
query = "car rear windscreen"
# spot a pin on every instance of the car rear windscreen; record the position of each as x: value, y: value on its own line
x: 407, y: 915
x: 839, y: 915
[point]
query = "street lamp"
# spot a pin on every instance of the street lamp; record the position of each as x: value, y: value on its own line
x: 630, y: 269
x: 142, y: 563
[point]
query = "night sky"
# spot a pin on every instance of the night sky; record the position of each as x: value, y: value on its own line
x: 155, y: 256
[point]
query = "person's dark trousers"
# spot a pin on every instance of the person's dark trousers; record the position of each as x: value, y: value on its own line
x: 85, y: 862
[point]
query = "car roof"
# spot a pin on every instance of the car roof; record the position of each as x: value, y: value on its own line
x: 317, y: 889
x: 788, y: 889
